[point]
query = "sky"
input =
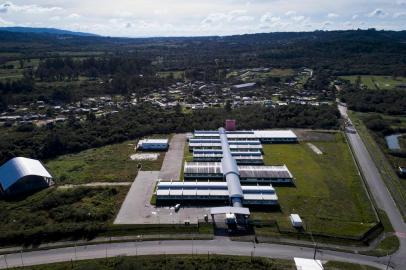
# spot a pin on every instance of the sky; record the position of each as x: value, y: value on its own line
x: 146, y: 18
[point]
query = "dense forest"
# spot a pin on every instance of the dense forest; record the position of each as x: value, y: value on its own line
x: 391, y: 102
x: 50, y: 141
x: 355, y: 52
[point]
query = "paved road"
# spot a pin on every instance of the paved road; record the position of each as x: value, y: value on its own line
x: 379, y: 191
x: 218, y: 246
x: 136, y: 206
x: 97, y: 184
x: 173, y: 159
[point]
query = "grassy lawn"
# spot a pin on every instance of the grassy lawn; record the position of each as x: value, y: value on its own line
x: 54, y: 214
x: 17, y: 72
x: 274, y: 72
x: 329, y: 194
x: 377, y: 82
x: 186, y: 262
x: 110, y: 163
x: 383, y: 160
x: 177, y: 74
x: 388, y: 246
x: 347, y: 266
x: 278, y: 72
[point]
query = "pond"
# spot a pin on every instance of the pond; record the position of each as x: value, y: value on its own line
x: 393, y: 141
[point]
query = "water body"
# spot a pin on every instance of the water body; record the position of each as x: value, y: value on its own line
x: 393, y: 141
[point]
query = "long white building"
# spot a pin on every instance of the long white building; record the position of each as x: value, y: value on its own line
x: 230, y: 163
x: 279, y: 174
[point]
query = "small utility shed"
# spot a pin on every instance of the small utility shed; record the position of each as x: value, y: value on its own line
x: 296, y: 221
x: 21, y: 175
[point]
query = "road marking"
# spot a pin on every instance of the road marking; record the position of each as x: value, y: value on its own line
x: 401, y: 234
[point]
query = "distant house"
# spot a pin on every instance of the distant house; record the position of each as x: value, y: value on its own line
x: 153, y: 144
x: 244, y: 86
x: 23, y: 175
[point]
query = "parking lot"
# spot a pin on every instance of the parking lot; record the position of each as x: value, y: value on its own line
x: 137, y: 208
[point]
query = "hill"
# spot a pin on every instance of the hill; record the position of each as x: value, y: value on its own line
x: 53, y: 31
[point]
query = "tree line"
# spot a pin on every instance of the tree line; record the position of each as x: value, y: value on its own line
x: 146, y: 119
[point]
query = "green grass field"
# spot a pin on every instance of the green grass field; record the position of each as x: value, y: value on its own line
x: 377, y: 82
x: 54, y: 214
x: 329, y: 194
x: 17, y: 72
x: 110, y: 163
x: 275, y: 72
x: 188, y: 262
x: 177, y: 74
x: 278, y: 72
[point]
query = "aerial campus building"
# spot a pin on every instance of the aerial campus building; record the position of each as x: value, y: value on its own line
x: 227, y: 168
x: 23, y: 175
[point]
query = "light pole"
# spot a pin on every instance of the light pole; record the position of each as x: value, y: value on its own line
x: 22, y: 261
x: 5, y: 260
x: 390, y: 258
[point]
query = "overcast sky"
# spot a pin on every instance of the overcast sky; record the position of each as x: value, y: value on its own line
x: 140, y: 18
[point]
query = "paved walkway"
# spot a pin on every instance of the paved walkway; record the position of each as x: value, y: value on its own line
x: 135, y: 206
x: 172, y: 164
x: 98, y: 184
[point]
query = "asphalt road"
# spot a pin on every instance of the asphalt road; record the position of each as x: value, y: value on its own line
x: 379, y: 191
x: 217, y: 246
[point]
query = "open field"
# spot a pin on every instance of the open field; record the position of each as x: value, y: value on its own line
x: 385, y: 162
x: 377, y: 82
x: 110, y: 163
x: 12, y: 70
x: 187, y: 262
x: 329, y: 194
x: 177, y: 74
x: 274, y: 72
x: 54, y: 214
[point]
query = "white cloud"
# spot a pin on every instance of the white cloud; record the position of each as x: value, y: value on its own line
x: 244, y: 19
x: 290, y: 13
x: 161, y: 12
x: 399, y: 15
x: 220, y: 18
x: 268, y: 18
x: 326, y: 24
x: 332, y: 15
x: 210, y: 17
x: 73, y: 16
x: 4, y: 7
x: 378, y: 13
x: 298, y: 18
